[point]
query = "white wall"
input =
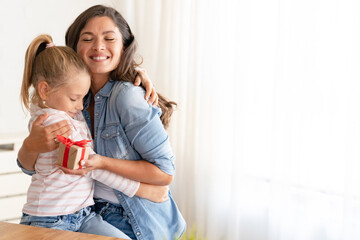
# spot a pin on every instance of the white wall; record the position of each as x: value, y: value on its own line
x: 20, y: 22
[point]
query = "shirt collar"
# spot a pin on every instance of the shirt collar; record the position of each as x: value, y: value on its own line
x: 105, y: 91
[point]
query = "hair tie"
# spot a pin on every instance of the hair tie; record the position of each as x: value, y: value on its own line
x: 49, y: 45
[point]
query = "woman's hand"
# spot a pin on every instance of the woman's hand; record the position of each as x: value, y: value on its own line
x: 153, y: 193
x: 143, y: 78
x: 43, y: 139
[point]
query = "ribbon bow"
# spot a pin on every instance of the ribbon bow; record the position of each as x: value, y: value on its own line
x: 68, y: 143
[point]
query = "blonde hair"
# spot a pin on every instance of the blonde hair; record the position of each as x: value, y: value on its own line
x: 51, y: 64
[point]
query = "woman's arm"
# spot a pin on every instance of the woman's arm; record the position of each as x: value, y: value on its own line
x: 150, y: 95
x: 153, y: 193
x: 41, y: 139
x: 141, y: 170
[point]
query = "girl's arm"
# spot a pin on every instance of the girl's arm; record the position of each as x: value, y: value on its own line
x: 141, y: 170
x: 41, y: 139
x: 154, y: 193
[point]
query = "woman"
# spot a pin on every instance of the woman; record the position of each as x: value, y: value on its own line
x: 124, y: 127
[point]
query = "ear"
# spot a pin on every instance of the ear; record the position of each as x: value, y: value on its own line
x: 43, y: 89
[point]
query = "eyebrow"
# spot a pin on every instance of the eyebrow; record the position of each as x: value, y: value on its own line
x: 76, y: 95
x: 90, y: 33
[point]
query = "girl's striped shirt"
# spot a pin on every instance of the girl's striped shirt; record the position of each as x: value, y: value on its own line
x: 52, y: 192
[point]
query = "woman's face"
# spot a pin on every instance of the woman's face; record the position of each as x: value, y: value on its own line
x: 100, y: 45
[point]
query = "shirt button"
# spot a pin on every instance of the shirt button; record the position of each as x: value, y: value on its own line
x: 97, y: 97
x: 96, y: 114
x: 107, y: 136
x: 129, y: 213
x: 138, y: 233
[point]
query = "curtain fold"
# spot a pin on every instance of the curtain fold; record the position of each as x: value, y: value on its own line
x: 267, y: 130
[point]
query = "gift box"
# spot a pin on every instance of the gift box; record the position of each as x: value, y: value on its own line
x: 70, y: 153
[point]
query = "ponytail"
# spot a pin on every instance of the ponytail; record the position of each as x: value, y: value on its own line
x: 35, y: 48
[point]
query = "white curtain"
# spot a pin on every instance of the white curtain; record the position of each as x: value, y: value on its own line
x: 267, y: 131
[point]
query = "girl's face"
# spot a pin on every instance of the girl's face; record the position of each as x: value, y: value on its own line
x: 69, y: 97
x: 100, y: 45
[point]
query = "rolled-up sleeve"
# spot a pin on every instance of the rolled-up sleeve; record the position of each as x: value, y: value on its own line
x: 25, y: 170
x: 144, y: 128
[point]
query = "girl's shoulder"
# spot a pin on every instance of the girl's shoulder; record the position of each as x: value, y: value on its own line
x: 54, y: 116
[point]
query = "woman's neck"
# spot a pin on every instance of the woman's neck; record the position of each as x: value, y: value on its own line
x: 97, y: 82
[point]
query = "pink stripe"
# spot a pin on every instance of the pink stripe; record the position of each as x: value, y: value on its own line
x: 79, y: 185
x: 60, y: 179
x: 52, y: 205
x: 126, y: 187
x: 57, y: 199
x: 48, y: 157
x: 62, y: 192
x: 115, y: 179
x: 43, y: 191
x: 107, y: 178
x: 45, y: 165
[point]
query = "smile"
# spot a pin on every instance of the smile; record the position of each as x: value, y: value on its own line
x: 99, y: 58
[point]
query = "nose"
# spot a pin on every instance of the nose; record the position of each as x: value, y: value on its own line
x: 99, y: 45
x: 80, y: 106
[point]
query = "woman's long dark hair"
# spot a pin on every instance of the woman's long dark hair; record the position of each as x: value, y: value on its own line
x: 126, y: 68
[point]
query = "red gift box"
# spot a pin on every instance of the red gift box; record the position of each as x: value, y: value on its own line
x: 71, y: 153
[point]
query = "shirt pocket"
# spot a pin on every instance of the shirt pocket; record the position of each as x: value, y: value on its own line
x: 115, y: 142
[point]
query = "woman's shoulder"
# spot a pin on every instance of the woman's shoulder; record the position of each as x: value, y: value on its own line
x: 128, y: 95
x: 124, y: 88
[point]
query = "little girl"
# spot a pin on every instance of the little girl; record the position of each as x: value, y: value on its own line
x: 60, y: 80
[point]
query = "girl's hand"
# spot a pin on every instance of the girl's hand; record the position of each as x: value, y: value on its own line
x: 42, y: 139
x: 82, y: 171
x: 143, y: 78
x: 94, y: 161
x: 153, y: 193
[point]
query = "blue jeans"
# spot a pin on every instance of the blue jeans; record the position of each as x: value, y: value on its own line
x: 83, y: 220
x: 115, y: 215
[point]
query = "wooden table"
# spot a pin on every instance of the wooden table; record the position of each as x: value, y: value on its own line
x: 12, y: 231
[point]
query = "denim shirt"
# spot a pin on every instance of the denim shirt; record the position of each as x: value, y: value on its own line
x: 127, y: 127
